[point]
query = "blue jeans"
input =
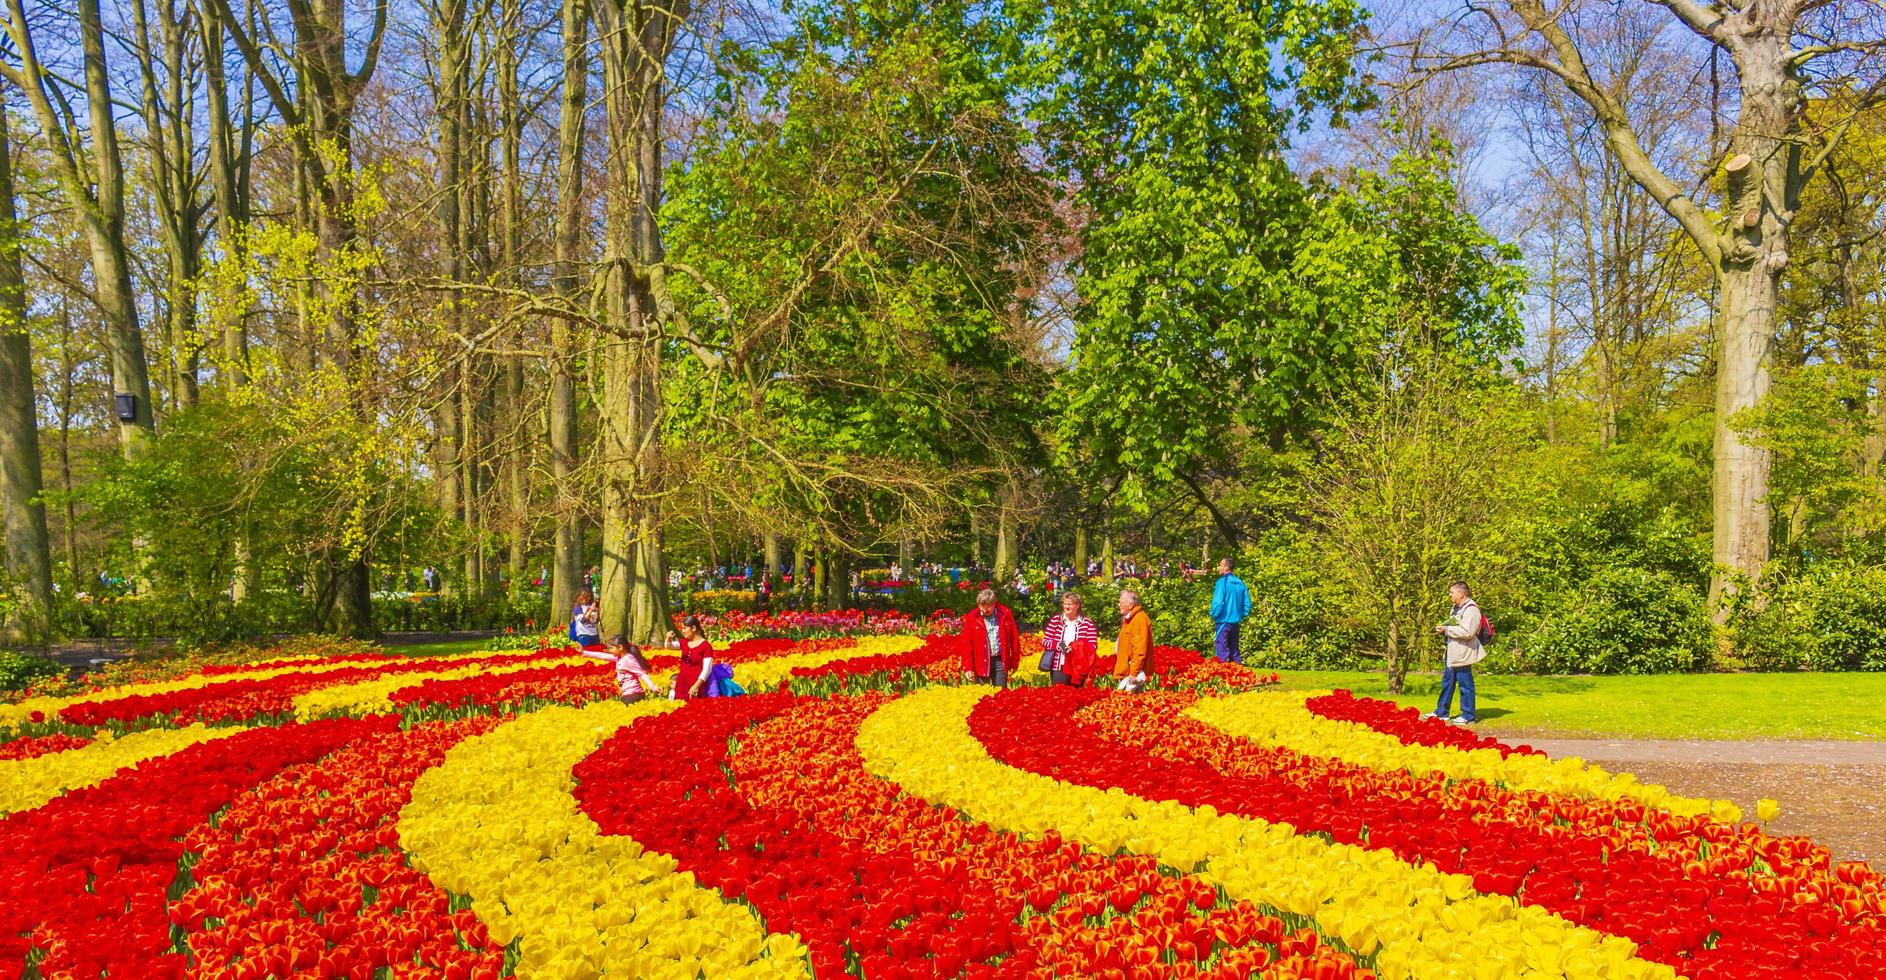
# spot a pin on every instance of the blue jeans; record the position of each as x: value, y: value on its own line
x: 1451, y: 678
x: 1228, y: 643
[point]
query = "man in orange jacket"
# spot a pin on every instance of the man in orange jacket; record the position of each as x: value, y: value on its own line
x: 1133, y: 656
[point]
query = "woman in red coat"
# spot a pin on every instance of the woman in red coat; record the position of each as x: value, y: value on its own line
x: 697, y: 658
x: 992, y: 643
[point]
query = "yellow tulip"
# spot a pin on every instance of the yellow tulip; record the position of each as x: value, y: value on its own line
x: 496, y: 821
x: 1280, y: 719
x: 29, y: 783
x: 1420, y: 922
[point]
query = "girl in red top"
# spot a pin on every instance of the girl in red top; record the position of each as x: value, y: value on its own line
x: 697, y: 658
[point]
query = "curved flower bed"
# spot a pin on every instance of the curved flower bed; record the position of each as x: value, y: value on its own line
x: 1686, y: 889
x: 861, y: 812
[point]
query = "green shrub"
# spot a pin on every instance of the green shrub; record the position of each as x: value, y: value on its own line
x: 1832, y: 617
x: 1624, y: 621
x: 18, y: 670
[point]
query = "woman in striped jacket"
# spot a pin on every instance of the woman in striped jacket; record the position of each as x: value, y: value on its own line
x: 1073, y: 642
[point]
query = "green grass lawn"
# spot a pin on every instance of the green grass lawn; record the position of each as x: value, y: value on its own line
x: 1715, y: 706
x: 448, y: 647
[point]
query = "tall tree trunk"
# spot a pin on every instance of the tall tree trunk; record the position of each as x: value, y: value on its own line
x: 1552, y: 350
x: 1749, y: 280
x: 770, y: 545
x: 838, y: 580
x: 636, y: 40
x: 1740, y: 486
x: 93, y: 181
x: 1106, y: 557
x: 1397, y: 663
x: 74, y: 573
x: 227, y: 160
x: 567, y: 570
x: 511, y: 243
x: 1005, y: 557
x: 170, y: 152
x: 28, y: 556
x: 1080, y: 549
x: 468, y: 453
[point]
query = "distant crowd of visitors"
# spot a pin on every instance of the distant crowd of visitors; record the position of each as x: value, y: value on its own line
x: 990, y: 642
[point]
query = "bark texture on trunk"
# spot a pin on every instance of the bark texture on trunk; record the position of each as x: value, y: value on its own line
x: 636, y: 39
x: 93, y: 181
x: 28, y: 553
x: 567, y: 561
x: 1005, y: 557
x: 227, y: 165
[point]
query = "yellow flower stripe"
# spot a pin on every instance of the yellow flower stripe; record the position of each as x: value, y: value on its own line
x: 496, y: 821
x: 1419, y: 922
x: 1280, y: 719
x: 14, y: 714
x: 375, y: 694
x: 29, y: 783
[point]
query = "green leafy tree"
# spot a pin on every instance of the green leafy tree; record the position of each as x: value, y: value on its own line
x: 852, y: 250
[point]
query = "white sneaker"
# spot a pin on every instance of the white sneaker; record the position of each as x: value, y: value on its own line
x: 1434, y: 714
x: 1458, y: 720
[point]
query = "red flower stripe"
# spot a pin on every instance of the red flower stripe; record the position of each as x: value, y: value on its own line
x: 36, y: 746
x: 1680, y: 887
x: 243, y: 699
x: 1407, y: 724
x: 563, y: 683
x: 890, y: 886
x: 935, y: 648
x: 304, y: 873
x: 83, y: 878
x: 577, y: 683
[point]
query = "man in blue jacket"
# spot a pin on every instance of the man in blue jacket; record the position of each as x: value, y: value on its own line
x: 1230, y: 603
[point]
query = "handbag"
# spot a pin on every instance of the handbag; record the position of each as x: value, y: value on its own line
x: 1047, y: 659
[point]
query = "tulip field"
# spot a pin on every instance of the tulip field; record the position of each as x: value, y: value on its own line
x: 860, y: 812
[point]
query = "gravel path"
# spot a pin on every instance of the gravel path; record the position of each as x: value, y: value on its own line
x: 1833, y: 792
x: 1767, y: 753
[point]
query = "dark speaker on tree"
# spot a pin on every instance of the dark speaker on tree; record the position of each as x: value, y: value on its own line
x: 127, y: 408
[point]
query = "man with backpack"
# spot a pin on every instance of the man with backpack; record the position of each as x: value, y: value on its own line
x: 1466, y: 633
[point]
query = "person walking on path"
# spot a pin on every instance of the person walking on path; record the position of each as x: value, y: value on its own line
x: 632, y: 676
x: 1133, y: 653
x: 1230, y: 604
x: 1464, y: 649
x: 1066, y: 638
x: 992, y: 643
